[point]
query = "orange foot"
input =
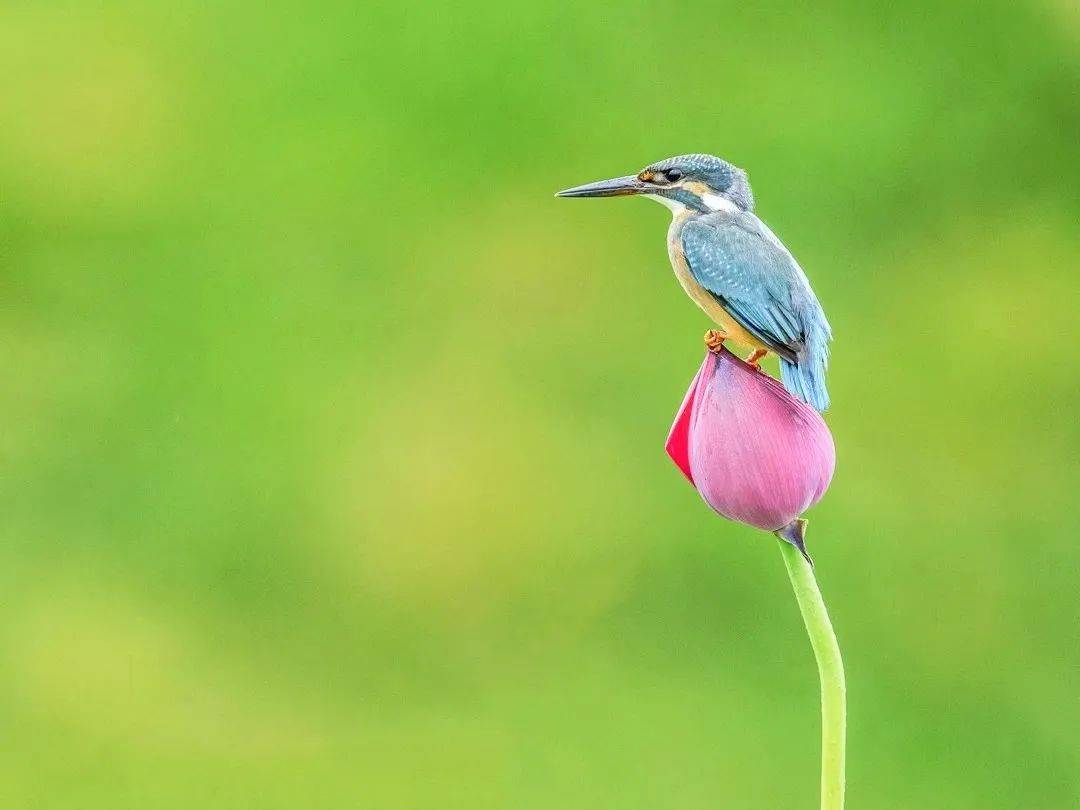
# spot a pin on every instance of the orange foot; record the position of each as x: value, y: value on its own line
x: 714, y: 340
x: 755, y: 357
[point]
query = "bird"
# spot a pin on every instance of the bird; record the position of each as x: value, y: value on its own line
x: 732, y: 266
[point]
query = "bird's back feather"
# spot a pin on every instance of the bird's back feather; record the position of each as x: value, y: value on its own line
x: 757, y: 281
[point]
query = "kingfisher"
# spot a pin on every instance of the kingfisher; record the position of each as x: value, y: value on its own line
x: 733, y: 267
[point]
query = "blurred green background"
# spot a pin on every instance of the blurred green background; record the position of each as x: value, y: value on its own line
x: 332, y: 442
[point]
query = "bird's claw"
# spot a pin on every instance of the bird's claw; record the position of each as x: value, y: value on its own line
x: 754, y: 359
x: 714, y: 340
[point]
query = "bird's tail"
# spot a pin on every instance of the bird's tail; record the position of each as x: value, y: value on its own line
x: 806, y: 377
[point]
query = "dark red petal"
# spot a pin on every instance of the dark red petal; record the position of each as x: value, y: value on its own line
x: 678, y: 440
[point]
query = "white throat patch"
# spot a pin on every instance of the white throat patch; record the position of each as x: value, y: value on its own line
x: 714, y: 202
x: 717, y: 203
x: 675, y: 206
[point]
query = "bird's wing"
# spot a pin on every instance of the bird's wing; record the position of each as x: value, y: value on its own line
x: 737, y: 259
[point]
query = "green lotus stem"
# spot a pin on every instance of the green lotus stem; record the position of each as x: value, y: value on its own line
x: 830, y: 671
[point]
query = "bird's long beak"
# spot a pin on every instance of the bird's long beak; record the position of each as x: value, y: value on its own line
x: 616, y: 187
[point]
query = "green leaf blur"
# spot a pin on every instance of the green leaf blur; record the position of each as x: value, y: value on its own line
x: 332, y: 442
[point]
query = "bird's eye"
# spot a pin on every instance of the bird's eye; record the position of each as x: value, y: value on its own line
x: 673, y: 175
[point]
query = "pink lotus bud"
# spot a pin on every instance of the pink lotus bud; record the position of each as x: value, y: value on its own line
x: 755, y: 453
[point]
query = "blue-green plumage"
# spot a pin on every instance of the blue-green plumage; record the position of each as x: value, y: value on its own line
x: 733, y: 266
x: 755, y: 279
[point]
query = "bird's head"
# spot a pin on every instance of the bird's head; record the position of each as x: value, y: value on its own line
x: 700, y: 182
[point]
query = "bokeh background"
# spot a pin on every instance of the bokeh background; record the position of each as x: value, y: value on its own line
x: 331, y: 442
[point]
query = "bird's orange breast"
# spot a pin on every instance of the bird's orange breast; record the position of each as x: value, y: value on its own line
x: 703, y: 298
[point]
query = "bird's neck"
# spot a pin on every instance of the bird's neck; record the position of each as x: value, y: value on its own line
x: 718, y: 202
x: 701, y: 201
